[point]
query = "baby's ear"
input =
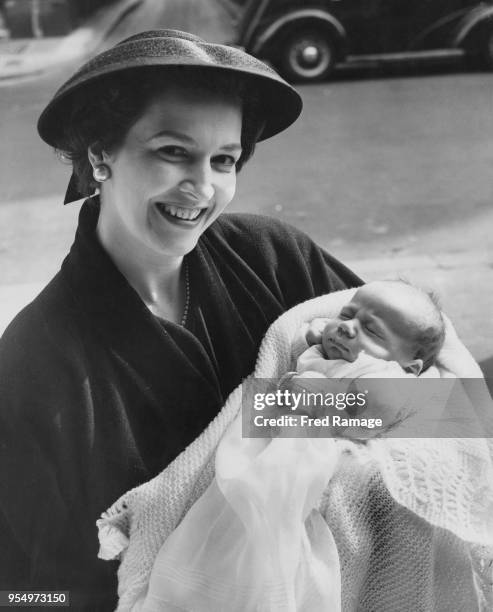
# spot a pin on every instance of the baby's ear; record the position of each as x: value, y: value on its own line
x: 414, y: 367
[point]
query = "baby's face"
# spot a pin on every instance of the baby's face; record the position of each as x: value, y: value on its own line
x: 378, y: 321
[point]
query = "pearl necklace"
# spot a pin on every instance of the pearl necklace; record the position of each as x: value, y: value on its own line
x: 187, y: 296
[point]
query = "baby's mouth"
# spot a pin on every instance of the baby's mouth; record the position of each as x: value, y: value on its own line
x: 338, y: 345
x: 336, y: 350
x: 180, y: 213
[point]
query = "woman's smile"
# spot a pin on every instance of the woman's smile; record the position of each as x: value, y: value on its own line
x: 182, y: 216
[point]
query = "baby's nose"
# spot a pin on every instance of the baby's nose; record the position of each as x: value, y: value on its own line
x: 347, y: 329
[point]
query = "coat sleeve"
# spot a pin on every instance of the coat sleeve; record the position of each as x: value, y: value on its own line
x: 42, y: 434
x: 317, y: 271
x: 286, y: 257
x: 32, y: 507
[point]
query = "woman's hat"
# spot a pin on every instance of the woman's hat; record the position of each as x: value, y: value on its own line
x: 278, y: 101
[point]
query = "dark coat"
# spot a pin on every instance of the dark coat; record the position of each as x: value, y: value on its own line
x: 97, y: 395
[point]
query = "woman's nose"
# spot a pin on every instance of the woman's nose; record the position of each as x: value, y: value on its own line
x: 347, y: 329
x: 198, y: 185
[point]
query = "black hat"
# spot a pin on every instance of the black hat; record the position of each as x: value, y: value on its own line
x: 279, y: 103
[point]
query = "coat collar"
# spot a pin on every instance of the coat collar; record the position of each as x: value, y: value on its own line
x: 166, y: 361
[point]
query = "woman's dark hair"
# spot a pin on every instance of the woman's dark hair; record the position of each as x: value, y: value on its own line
x: 101, y: 115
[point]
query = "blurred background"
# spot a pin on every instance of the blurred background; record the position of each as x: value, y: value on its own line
x: 389, y: 167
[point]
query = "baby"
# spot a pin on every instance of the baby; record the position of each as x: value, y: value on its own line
x: 388, y: 330
x: 388, y: 320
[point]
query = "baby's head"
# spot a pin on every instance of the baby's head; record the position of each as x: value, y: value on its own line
x: 389, y: 320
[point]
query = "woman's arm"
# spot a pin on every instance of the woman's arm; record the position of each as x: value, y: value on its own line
x: 46, y: 523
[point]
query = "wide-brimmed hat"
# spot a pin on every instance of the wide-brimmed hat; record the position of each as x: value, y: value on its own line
x: 279, y: 103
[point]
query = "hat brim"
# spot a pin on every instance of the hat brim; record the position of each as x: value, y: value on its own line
x: 278, y: 102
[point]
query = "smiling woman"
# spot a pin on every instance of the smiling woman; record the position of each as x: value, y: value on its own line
x: 158, y: 310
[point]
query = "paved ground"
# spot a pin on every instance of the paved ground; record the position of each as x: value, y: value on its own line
x: 391, y: 175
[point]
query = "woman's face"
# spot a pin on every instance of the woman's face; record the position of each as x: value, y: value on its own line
x: 173, y: 174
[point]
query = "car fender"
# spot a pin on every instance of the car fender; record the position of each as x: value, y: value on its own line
x: 472, y: 20
x: 274, y: 28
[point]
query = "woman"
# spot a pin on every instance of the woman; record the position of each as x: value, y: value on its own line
x: 159, y: 308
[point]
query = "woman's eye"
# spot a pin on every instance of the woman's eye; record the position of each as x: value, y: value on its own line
x: 173, y: 151
x: 226, y: 162
x: 344, y: 315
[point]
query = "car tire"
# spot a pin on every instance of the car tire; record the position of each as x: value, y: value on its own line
x: 308, y: 55
x: 486, y: 49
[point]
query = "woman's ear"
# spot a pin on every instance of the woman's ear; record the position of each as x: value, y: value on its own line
x: 97, y: 155
x: 414, y: 367
x: 101, y: 169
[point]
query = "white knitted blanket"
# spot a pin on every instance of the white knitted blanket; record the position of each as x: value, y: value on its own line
x: 401, y: 510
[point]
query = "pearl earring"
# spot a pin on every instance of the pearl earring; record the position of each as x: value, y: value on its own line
x: 101, y: 173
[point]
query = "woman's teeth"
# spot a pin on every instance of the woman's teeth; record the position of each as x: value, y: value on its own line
x: 188, y: 214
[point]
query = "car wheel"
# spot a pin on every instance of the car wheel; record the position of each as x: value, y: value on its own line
x: 307, y: 56
x: 486, y: 49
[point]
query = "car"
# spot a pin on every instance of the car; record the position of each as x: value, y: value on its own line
x: 305, y: 40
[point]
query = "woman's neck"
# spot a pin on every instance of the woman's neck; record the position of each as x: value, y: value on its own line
x: 157, y: 278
